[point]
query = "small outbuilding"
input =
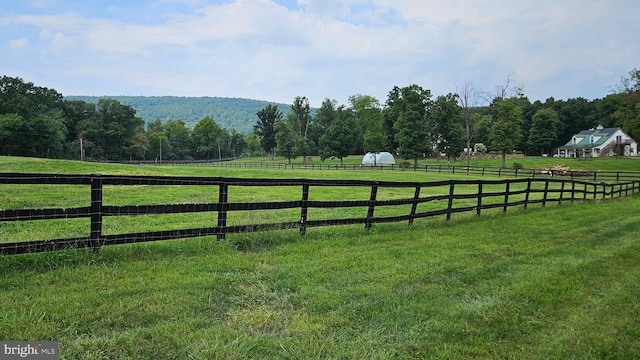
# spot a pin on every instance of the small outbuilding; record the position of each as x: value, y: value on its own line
x: 379, y: 159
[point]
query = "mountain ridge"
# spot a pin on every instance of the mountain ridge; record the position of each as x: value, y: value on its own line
x: 231, y: 113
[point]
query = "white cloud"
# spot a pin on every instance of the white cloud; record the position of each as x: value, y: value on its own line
x: 322, y: 48
x: 19, y: 43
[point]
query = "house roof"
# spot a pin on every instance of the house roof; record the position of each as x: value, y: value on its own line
x: 583, y: 139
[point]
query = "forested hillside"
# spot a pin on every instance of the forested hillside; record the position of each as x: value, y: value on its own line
x: 229, y: 113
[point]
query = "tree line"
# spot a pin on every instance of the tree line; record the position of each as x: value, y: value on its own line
x: 411, y: 123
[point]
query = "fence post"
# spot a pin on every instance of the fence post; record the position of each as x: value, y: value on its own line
x: 506, y: 196
x: 479, y: 206
x: 584, y: 193
x: 414, y: 206
x: 526, y: 195
x: 483, y: 171
x: 546, y: 190
x: 450, y: 204
x: 499, y: 172
x: 304, y: 209
x: 223, y: 197
x: 613, y: 186
x: 96, y: 212
x: 573, y: 190
x: 372, y: 206
x: 561, y: 193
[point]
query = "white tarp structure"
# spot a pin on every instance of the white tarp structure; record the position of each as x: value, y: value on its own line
x: 378, y: 159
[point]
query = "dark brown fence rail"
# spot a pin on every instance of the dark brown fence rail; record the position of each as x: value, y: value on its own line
x: 428, y: 199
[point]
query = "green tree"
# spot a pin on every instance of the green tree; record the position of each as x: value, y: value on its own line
x: 254, y: 148
x: 265, y: 128
x: 237, y: 144
x: 208, y: 138
x: 339, y: 137
x: 482, y: 129
x: 369, y: 118
x: 390, y: 115
x: 543, y: 134
x: 506, y: 132
x: 326, y: 115
x: 13, y: 133
x: 412, y: 126
x: 285, y: 139
x: 113, y: 130
x: 50, y: 134
x: 179, y: 137
x: 140, y: 145
x: 77, y: 114
x: 39, y: 128
x: 299, y: 119
x: 374, y: 139
x: 159, y: 146
x: 449, y: 131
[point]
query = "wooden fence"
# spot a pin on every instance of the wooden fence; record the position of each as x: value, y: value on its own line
x: 595, y: 176
x: 446, y: 198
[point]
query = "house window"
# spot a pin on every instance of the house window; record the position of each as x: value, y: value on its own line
x: 574, y: 140
x: 592, y: 139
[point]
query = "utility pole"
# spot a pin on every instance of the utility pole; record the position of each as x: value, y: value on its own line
x: 160, y: 148
x: 81, y: 151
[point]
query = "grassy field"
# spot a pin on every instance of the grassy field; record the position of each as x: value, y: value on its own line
x: 529, y: 162
x: 559, y: 282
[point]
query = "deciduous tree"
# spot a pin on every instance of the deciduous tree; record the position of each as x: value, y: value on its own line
x: 339, y: 137
x: 285, y: 139
x: 208, y: 138
x: 506, y: 132
x: 543, y: 134
x: 412, y: 126
x: 265, y: 128
x: 447, y: 119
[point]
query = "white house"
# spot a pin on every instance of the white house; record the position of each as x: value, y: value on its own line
x: 599, y: 142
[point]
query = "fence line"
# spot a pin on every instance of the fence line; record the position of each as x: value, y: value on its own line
x: 616, y: 176
x: 459, y: 195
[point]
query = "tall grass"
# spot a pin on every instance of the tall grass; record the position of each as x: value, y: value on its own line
x: 559, y: 282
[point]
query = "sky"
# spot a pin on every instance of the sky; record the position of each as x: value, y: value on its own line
x: 275, y: 50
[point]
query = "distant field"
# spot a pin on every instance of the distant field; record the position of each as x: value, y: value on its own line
x: 559, y: 282
x: 17, y: 164
x: 529, y: 162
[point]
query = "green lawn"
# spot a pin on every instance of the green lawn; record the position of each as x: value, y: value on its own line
x: 529, y: 162
x: 557, y: 282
